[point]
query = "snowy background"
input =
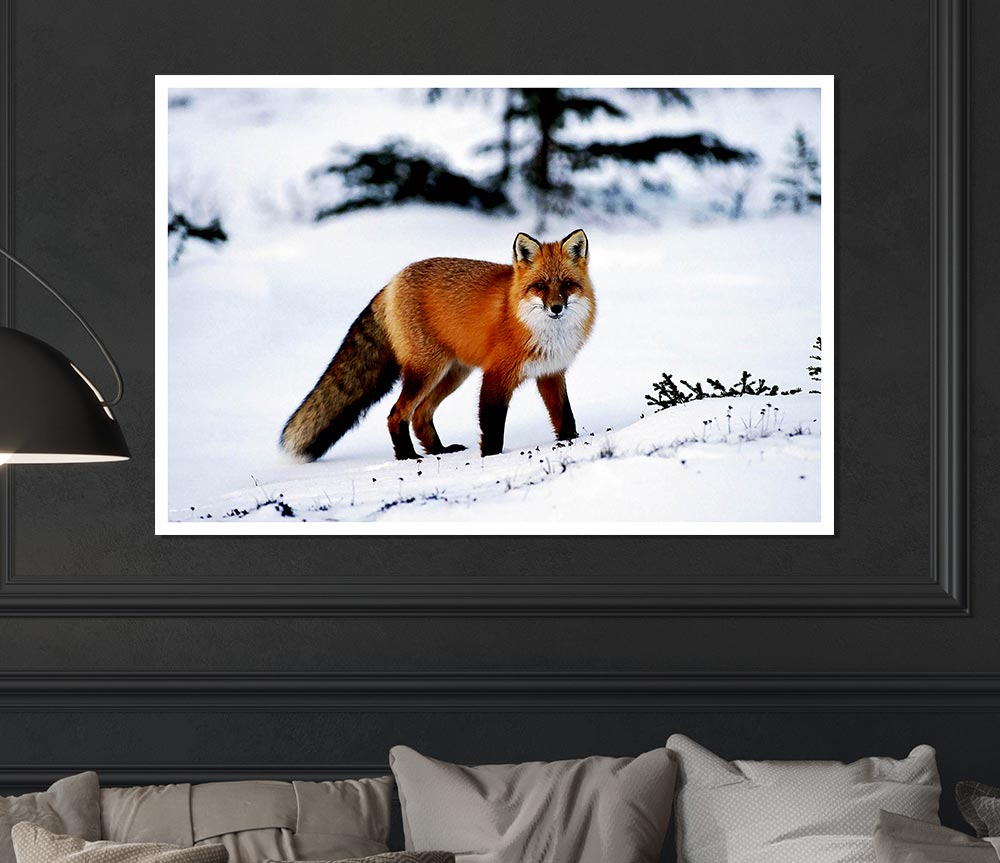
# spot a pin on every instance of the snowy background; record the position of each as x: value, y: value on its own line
x: 682, y: 289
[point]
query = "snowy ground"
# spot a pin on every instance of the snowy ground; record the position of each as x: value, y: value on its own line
x: 253, y: 323
x: 748, y: 459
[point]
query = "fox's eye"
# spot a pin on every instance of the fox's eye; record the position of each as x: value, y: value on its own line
x: 568, y: 285
x: 538, y: 286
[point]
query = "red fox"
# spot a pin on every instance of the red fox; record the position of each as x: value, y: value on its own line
x: 438, y: 319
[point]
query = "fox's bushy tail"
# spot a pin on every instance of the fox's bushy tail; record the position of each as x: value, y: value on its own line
x: 362, y: 371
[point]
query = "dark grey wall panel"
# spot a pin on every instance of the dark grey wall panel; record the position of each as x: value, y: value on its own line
x: 83, y: 145
x: 82, y: 212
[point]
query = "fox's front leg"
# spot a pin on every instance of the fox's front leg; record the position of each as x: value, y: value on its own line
x: 494, y: 399
x: 553, y: 392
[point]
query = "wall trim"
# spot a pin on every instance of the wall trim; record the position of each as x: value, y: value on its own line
x: 207, y: 692
x: 6, y: 268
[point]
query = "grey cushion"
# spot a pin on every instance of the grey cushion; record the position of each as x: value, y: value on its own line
x: 392, y: 857
x: 899, y: 839
x: 71, y: 805
x: 793, y: 811
x: 592, y: 809
x: 34, y: 844
x: 256, y: 820
x: 980, y: 806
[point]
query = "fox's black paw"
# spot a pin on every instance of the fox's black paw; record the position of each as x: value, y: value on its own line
x: 444, y: 450
x: 406, y: 456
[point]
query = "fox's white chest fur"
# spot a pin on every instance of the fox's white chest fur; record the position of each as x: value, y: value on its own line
x: 554, y: 341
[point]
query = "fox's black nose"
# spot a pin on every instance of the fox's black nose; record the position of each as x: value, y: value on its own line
x: 556, y: 309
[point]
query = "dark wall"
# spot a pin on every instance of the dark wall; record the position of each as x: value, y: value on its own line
x: 81, y: 210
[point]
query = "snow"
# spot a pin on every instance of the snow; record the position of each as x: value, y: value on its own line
x: 253, y: 323
x: 688, y: 464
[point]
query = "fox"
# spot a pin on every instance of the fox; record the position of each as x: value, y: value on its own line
x: 437, y: 320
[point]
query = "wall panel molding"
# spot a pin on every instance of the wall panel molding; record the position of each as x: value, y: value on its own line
x: 6, y: 267
x: 527, y: 692
x: 939, y: 589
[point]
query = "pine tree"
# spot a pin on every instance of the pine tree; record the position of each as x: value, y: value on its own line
x: 799, y: 188
x: 816, y: 371
x: 550, y: 161
x: 536, y: 157
x: 181, y: 228
x: 397, y: 173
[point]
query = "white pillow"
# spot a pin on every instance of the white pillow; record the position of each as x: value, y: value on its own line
x: 793, y: 811
x: 899, y: 839
x: 594, y: 810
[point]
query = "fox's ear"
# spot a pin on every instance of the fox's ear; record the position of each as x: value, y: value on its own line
x: 575, y: 245
x: 526, y: 249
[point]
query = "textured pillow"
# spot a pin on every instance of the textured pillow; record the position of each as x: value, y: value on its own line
x: 899, y: 839
x: 71, y: 805
x: 793, y: 811
x: 391, y: 857
x: 593, y: 809
x: 256, y: 820
x: 980, y: 807
x: 34, y: 844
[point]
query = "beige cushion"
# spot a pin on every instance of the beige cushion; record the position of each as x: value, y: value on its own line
x: 394, y: 857
x: 793, y: 811
x: 593, y: 809
x: 71, y: 805
x: 34, y: 844
x: 256, y: 820
x: 147, y: 813
x: 899, y: 839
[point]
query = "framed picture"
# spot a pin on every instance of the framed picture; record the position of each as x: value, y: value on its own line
x: 85, y: 542
x: 698, y: 399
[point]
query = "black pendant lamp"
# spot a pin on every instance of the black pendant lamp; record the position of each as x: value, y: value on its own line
x: 50, y: 413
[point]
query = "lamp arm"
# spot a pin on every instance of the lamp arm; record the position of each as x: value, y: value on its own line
x: 80, y: 320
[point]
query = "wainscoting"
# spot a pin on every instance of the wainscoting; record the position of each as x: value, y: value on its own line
x: 159, y: 728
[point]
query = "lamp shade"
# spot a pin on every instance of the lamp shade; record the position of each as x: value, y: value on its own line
x: 50, y: 412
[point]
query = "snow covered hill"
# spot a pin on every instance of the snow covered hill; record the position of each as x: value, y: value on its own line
x: 754, y: 458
